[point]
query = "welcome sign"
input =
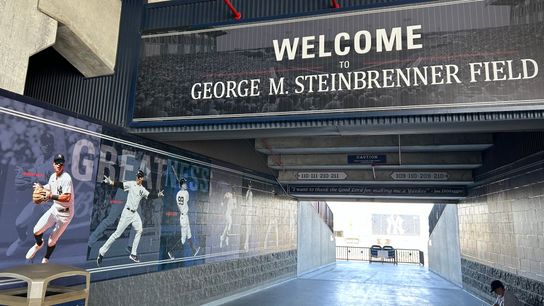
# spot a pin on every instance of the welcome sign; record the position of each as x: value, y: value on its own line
x: 448, y: 54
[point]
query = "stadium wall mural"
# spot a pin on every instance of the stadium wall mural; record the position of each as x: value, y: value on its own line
x: 144, y: 207
x: 455, y: 54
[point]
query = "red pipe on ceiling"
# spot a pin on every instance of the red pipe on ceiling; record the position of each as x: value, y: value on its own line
x: 235, y: 14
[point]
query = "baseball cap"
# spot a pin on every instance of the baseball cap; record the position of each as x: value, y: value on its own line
x: 496, y: 284
x: 58, y: 159
x: 140, y: 173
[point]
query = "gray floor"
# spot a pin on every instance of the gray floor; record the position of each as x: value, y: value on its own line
x: 360, y: 283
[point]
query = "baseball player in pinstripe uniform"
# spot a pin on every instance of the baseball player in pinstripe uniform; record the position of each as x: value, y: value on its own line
x: 249, y: 213
x: 31, y: 212
x: 60, y: 190
x: 182, y: 200
x: 230, y: 200
x: 130, y: 215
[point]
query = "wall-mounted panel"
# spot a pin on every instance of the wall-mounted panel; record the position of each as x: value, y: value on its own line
x: 198, y: 211
x: 411, y: 58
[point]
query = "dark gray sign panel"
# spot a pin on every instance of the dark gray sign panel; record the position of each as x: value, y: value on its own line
x: 456, y: 54
x: 377, y: 191
x: 367, y: 159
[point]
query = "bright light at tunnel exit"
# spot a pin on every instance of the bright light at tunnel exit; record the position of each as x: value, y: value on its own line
x: 363, y: 224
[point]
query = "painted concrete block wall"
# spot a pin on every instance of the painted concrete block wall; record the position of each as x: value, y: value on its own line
x: 501, y: 230
x: 197, y: 284
x: 444, y: 254
x: 477, y: 277
x: 248, y: 240
x: 316, y: 244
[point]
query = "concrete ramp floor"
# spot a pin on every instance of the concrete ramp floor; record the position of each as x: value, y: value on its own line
x: 361, y: 283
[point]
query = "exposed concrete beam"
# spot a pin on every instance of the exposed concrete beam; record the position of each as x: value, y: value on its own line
x: 381, y: 143
x: 376, y: 200
x: 369, y: 177
x: 402, y: 167
x: 188, y: 133
x: 88, y: 33
x: 502, y: 2
x: 381, y: 183
x: 402, y: 199
x: 238, y: 152
x: 24, y: 31
x: 456, y: 160
x: 391, y: 149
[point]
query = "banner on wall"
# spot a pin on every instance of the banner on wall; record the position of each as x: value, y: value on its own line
x: 198, y: 217
x: 393, y: 224
x: 159, y: 216
x: 226, y: 189
x: 27, y: 147
x: 425, y: 56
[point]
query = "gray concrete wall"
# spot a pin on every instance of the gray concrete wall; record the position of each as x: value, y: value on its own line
x: 197, y: 284
x: 84, y: 32
x: 88, y: 33
x: 239, y: 152
x: 501, y: 232
x: 444, y: 253
x: 24, y: 31
x: 316, y: 244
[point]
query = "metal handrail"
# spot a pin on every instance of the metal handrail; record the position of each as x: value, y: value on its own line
x: 363, y: 254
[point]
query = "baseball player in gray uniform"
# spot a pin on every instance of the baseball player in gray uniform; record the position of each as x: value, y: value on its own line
x: 60, y: 190
x: 130, y: 215
x: 182, y: 200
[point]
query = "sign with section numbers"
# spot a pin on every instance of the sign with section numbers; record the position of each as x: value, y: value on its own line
x: 420, y: 176
x: 321, y: 176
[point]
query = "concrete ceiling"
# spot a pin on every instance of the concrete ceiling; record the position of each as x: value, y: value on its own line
x: 421, y: 167
x: 427, y: 158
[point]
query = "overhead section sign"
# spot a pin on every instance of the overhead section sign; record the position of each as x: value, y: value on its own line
x: 307, y: 176
x: 419, y: 57
x: 420, y: 176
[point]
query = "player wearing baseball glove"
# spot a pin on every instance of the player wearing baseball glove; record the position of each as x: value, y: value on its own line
x: 40, y: 194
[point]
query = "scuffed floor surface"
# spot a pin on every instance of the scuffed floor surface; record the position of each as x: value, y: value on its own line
x: 361, y: 283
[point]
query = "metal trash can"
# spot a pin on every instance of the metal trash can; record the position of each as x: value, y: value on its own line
x: 39, y: 290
